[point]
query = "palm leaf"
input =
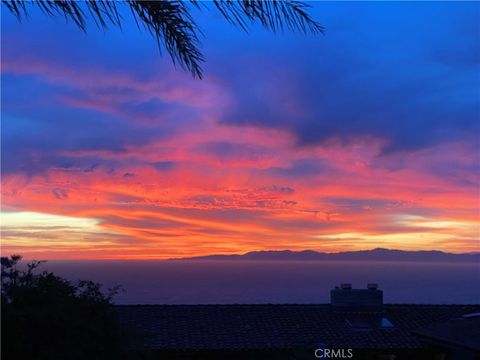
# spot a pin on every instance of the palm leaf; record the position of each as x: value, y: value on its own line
x: 171, y: 22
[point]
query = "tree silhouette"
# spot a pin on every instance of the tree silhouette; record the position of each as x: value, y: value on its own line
x: 171, y: 22
x: 47, y: 317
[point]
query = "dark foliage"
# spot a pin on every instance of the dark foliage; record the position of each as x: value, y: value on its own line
x: 171, y: 22
x: 47, y: 317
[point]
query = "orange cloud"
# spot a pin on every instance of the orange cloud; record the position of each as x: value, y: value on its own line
x: 330, y: 198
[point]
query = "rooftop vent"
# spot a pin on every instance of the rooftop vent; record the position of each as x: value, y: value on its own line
x: 346, y: 298
x: 346, y: 286
x: 372, y: 286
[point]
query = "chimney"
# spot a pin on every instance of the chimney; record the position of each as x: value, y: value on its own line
x: 347, y: 299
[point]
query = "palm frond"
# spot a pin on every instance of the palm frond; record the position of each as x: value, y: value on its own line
x: 177, y: 30
x: 171, y: 22
x: 274, y: 15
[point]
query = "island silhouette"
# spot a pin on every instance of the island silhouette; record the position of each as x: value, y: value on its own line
x: 377, y: 254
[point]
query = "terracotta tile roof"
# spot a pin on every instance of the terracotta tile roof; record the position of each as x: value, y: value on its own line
x: 461, y: 332
x: 276, y: 326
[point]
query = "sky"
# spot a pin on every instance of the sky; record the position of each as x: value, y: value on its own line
x: 367, y: 136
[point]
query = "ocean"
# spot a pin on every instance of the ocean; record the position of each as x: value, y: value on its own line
x: 302, y: 282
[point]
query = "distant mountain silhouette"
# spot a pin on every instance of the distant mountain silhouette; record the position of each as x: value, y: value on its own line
x: 378, y: 254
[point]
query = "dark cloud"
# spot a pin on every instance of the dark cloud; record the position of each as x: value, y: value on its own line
x: 164, y: 165
x: 355, y: 204
x: 394, y: 79
x: 60, y: 194
x: 457, y: 173
x: 302, y: 168
x: 91, y: 168
x: 278, y: 189
x: 227, y: 151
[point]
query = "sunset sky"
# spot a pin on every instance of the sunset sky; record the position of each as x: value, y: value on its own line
x: 365, y: 137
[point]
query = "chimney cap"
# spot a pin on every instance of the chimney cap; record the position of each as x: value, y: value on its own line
x: 372, y: 286
x: 346, y: 286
